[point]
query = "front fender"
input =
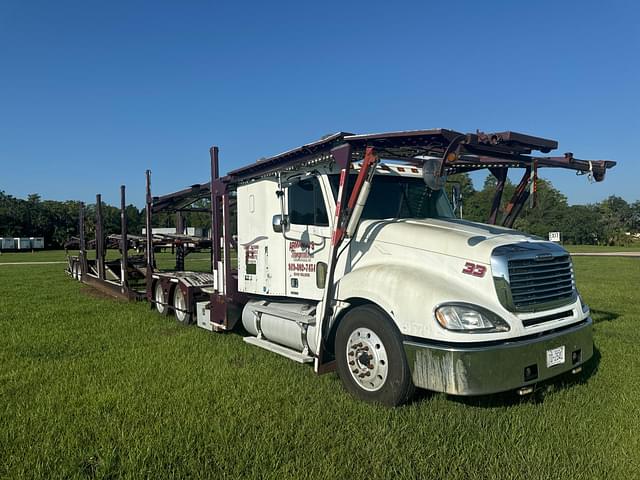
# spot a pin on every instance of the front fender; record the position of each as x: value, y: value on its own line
x: 409, y: 294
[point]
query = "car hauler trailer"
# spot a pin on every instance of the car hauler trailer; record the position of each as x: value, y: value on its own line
x: 124, y: 277
x: 349, y: 257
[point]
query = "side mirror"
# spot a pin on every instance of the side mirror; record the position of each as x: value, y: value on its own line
x: 279, y: 223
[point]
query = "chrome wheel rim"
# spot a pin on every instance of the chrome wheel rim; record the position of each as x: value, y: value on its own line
x: 367, y: 359
x: 159, y: 298
x: 179, y: 305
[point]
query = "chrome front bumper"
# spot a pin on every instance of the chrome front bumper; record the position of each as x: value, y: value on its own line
x: 495, y: 367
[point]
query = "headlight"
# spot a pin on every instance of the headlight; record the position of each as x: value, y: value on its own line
x: 460, y: 317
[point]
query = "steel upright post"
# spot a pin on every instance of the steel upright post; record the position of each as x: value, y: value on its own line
x: 215, y: 210
x: 149, y: 243
x: 83, y: 244
x: 99, y: 238
x: 179, y: 223
x: 124, y: 242
x: 150, y: 256
x: 179, y: 245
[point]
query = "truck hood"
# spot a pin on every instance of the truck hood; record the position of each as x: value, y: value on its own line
x: 454, y: 237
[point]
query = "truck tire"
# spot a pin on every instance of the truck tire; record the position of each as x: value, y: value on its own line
x: 370, y: 358
x: 159, y: 299
x: 179, y: 307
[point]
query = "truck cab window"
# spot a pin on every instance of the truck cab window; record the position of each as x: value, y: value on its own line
x: 395, y: 196
x: 306, y: 204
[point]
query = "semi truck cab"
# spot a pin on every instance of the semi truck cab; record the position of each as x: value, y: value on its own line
x: 477, y: 308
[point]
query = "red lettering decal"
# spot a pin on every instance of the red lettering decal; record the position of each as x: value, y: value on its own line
x: 474, y: 269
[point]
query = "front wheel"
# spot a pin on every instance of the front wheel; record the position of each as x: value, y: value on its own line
x: 370, y: 357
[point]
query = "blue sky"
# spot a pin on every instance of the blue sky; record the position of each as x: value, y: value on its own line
x: 94, y: 93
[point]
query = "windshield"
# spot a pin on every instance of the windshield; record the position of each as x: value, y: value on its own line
x: 393, y: 196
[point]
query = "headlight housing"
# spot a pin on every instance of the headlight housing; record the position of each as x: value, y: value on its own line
x: 468, y: 318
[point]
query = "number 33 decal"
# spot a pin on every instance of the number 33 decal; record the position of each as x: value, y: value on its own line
x: 474, y: 269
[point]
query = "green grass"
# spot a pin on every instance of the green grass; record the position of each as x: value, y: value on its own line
x: 632, y: 247
x: 95, y: 388
x: 37, y: 256
x: 196, y: 261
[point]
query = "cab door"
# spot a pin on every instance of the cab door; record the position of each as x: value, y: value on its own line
x: 308, y: 239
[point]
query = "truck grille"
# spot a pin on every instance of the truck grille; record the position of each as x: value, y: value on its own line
x: 540, y: 281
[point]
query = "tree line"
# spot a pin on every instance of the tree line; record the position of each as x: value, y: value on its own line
x: 57, y: 221
x: 612, y: 221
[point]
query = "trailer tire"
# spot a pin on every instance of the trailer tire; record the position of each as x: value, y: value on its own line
x: 370, y: 358
x: 179, y: 307
x: 159, y: 299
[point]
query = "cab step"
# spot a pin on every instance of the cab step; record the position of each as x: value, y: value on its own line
x: 279, y: 349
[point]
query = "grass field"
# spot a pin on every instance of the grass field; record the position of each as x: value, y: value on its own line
x: 96, y: 388
x: 198, y: 261
x: 632, y: 247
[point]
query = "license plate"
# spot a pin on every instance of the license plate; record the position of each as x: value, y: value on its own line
x: 555, y: 356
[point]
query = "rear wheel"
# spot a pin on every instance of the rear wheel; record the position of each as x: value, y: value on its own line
x: 180, y: 307
x: 370, y: 357
x: 160, y: 299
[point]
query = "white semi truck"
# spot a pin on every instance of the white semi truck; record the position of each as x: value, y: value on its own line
x: 349, y: 256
